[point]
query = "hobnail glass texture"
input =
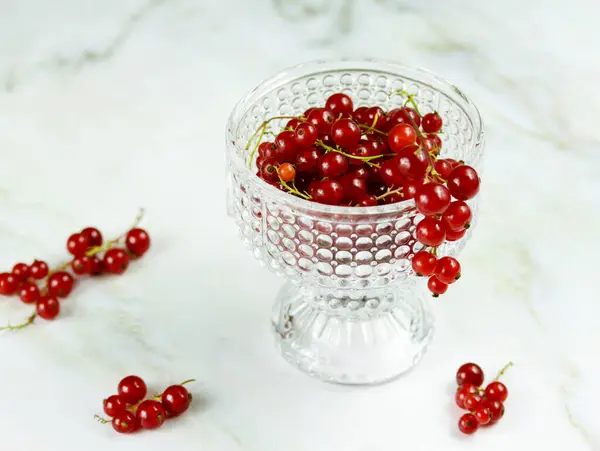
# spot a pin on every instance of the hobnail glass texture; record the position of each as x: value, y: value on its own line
x: 352, y: 310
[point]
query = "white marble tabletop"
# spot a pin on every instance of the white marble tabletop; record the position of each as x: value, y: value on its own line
x: 106, y: 106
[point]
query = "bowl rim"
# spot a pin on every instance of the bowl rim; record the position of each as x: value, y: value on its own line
x: 322, y: 66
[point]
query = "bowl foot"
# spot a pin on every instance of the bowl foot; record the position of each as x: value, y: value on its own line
x: 357, y: 338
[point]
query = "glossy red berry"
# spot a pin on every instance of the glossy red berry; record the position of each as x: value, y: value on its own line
x: 115, y: 261
x: 496, y: 391
x: 436, y: 286
x: 78, y: 244
x: 322, y: 119
x: 401, y: 136
x: 114, y: 404
x: 125, y: 422
x: 176, y: 400
x: 345, y: 133
x: 29, y: 292
x: 47, y: 307
x: 81, y: 265
x: 413, y: 164
x: 436, y: 144
x: 363, y: 149
x: 287, y: 172
x: 93, y: 236
x: 469, y: 373
x: 8, y: 284
x: 473, y: 402
x: 328, y: 192
x: 463, y: 182
x: 39, y: 269
x: 286, y: 146
x: 467, y: 424
x: 430, y: 231
x: 292, y: 124
x: 60, y: 284
x: 455, y: 236
x: 339, y: 103
x: 457, y: 216
x: 432, y: 123
x: 391, y: 174
x: 132, y: 389
x: 432, y: 199
x: 268, y: 170
x: 447, y: 270
x: 21, y: 271
x: 410, y: 188
x: 333, y: 165
x: 151, y: 414
x: 376, y: 118
x: 307, y: 161
x: 462, y: 392
x: 306, y: 134
x: 483, y: 416
x: 360, y: 115
x: 355, y: 188
x: 96, y: 266
x: 423, y: 263
x: 496, y: 409
x: 367, y: 201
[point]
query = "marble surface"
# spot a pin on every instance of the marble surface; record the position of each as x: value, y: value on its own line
x: 109, y: 106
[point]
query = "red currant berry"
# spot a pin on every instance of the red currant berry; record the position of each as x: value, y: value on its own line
x: 339, y: 103
x: 60, y: 284
x: 96, y: 266
x: 355, y: 188
x: 432, y: 199
x: 333, y: 165
x: 413, y: 164
x: 443, y: 168
x: 496, y: 391
x: 469, y: 373
x: 363, y: 149
x: 455, y: 236
x: 483, y: 416
x: 436, y: 286
x: 462, y: 392
x: 269, y: 150
x: 293, y: 124
x: 29, y: 292
x: 360, y: 115
x: 473, y: 402
x: 432, y: 123
x: 116, y: 261
x: 328, y: 192
x: 39, y: 269
x: 114, y: 404
x: 151, y: 414
x: 411, y: 117
x: 345, y: 133
x: 93, y: 236
x: 463, y: 182
x: 137, y: 241
x: 287, y: 172
x: 8, y: 284
x: 308, y: 111
x: 367, y: 201
x: 78, y: 244
x: 322, y: 119
x: 47, y: 307
x: 496, y: 409
x: 423, y: 263
x: 447, y: 270
x: 132, y: 389
x: 436, y: 144
x: 268, y: 170
x: 21, y: 271
x: 307, y: 161
x: 375, y: 117
x: 286, y: 146
x: 410, y: 188
x: 390, y: 173
x: 81, y: 265
x: 400, y: 136
x: 306, y: 134
x: 125, y: 422
x: 176, y: 400
x: 457, y: 216
x: 430, y: 232
x: 468, y: 424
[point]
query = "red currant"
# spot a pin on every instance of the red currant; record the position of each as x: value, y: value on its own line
x: 268, y: 170
x: 176, y: 400
x: 8, y: 284
x: 367, y: 201
x: 457, y: 216
x: 137, y: 241
x: 307, y: 160
x: 151, y: 414
x: 47, y: 307
x: 114, y: 404
x: 432, y: 123
x: 60, y: 284
x: 436, y: 286
x: 333, y: 165
x: 286, y: 146
x: 81, y: 265
x: 322, y: 119
x: 432, y: 199
x: 468, y: 424
x: 455, y: 236
x: 328, y: 192
x: 21, y: 271
x: 39, y: 269
x: 96, y: 266
x: 375, y: 117
x: 125, y: 422
x: 345, y: 133
x: 93, y: 236
x: 496, y: 409
x: 469, y: 373
x: 473, y: 402
x: 293, y: 124
x: 463, y: 182
x: 447, y: 270
x: 132, y: 389
x: 443, y: 168
x: 401, y: 136
x: 306, y: 134
x: 483, y: 415
x: 287, y: 172
x: 431, y: 232
x: 413, y: 164
x: 410, y: 188
x: 339, y: 103
x: 29, y: 292
x: 436, y: 144
x: 423, y: 263
x: 355, y: 188
x: 496, y: 391
x: 390, y: 173
x: 360, y: 115
x: 462, y: 392
x: 78, y: 244
x: 116, y: 261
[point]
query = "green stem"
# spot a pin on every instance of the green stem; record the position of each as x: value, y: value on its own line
x: 12, y: 328
x: 503, y: 370
x: 368, y: 128
x: 262, y: 129
x: 99, y: 419
x: 341, y: 152
x: 389, y: 192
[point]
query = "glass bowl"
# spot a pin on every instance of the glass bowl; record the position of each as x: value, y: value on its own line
x: 352, y: 310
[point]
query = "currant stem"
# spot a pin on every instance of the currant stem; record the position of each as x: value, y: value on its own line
x: 503, y: 370
x: 371, y: 129
x: 434, y: 251
x: 389, y: 192
x: 365, y: 159
x: 189, y: 381
x: 28, y: 322
x: 101, y: 420
x: 263, y: 129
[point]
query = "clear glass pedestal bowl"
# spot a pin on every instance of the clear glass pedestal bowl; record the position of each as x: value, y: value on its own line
x: 352, y: 310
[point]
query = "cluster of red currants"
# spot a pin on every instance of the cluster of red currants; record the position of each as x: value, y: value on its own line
x: 486, y: 407
x: 36, y: 283
x: 364, y: 157
x: 129, y: 411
